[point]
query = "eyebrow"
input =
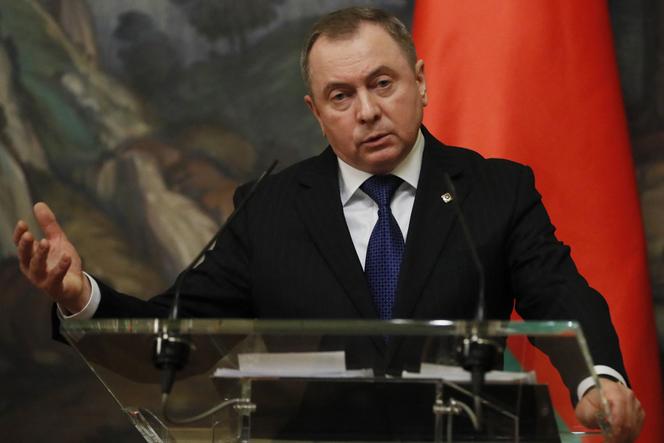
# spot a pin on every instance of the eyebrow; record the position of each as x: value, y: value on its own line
x: 382, y: 69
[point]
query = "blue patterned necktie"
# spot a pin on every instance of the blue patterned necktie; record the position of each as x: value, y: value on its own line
x: 385, y: 247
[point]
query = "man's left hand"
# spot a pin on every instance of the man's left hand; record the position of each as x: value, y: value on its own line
x: 625, y: 412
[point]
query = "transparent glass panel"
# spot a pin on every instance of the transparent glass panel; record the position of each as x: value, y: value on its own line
x: 347, y: 380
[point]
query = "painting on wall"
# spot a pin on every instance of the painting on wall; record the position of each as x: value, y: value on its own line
x: 135, y: 120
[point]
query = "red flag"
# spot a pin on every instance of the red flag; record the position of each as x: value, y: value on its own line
x: 536, y: 81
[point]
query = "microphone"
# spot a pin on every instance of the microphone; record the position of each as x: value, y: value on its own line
x: 478, y: 354
x: 171, y: 350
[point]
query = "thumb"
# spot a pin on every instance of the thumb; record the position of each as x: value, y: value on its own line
x: 47, y: 221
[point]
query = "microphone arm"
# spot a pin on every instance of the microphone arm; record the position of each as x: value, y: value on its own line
x: 481, y: 302
x: 171, y: 349
x: 477, y: 353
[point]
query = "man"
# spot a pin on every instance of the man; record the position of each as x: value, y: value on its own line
x: 316, y: 238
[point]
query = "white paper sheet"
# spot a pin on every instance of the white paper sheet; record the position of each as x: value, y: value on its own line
x: 293, y: 364
x: 333, y: 365
x: 460, y: 375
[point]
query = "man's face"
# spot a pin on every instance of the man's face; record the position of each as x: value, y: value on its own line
x: 367, y: 98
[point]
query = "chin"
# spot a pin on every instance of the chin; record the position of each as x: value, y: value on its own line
x: 381, y: 167
x: 385, y: 162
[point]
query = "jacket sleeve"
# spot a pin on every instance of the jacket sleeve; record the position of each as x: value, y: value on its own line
x: 548, y: 286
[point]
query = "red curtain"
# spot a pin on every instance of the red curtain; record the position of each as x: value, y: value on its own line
x: 536, y: 81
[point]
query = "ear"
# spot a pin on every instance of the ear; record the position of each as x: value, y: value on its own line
x: 421, y: 81
x: 309, y: 100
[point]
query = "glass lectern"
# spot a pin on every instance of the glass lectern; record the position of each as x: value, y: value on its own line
x: 336, y: 380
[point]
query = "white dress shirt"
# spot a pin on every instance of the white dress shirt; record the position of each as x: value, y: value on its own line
x: 361, y: 211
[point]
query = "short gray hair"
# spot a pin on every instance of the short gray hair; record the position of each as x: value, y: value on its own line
x: 344, y: 23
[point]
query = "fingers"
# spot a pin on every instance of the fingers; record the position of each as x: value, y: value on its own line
x: 635, y: 422
x: 47, y: 221
x: 587, y: 409
x: 25, y: 248
x: 48, y: 280
x: 626, y: 417
x: 620, y: 411
x: 37, y: 265
x: 52, y: 284
x: 33, y: 261
x: 19, y: 230
x: 50, y: 264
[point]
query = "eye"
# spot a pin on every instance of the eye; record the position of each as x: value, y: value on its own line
x: 383, y: 83
x: 338, y: 96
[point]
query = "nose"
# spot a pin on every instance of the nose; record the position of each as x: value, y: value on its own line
x: 368, y: 110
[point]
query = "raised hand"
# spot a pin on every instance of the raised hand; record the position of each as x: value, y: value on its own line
x: 626, y: 415
x: 52, y: 264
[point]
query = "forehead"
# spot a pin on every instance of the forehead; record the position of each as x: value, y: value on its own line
x: 371, y: 46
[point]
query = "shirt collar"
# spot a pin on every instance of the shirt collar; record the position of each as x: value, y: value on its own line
x: 350, y: 178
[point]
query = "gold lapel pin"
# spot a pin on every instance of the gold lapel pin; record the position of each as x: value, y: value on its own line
x: 447, y: 197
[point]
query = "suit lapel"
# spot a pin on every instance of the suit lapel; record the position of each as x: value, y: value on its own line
x: 430, y: 222
x: 321, y: 212
x: 320, y: 209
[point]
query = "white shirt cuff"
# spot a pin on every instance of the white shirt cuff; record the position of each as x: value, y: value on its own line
x: 90, y: 308
x: 589, y: 382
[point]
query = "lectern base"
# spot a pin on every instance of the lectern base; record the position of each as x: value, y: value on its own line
x: 395, y: 410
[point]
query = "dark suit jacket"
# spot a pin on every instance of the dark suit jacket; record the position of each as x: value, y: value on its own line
x: 289, y: 255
